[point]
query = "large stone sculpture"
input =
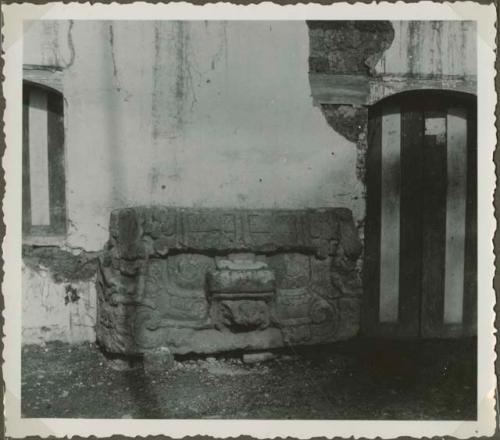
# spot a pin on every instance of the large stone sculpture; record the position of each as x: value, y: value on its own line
x: 211, y: 280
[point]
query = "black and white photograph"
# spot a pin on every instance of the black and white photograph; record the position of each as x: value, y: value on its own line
x: 251, y: 219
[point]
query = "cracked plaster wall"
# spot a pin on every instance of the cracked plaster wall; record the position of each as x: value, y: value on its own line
x: 59, y: 295
x: 53, y: 310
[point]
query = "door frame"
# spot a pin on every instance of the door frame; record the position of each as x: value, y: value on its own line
x: 409, y: 324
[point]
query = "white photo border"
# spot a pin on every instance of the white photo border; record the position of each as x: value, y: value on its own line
x: 15, y: 14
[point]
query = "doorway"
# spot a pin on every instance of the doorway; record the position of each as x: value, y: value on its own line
x: 420, y: 268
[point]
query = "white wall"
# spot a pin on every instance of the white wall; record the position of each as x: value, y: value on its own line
x: 208, y: 114
x: 438, y: 48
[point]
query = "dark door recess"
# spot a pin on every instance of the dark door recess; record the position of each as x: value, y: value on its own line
x: 420, y: 270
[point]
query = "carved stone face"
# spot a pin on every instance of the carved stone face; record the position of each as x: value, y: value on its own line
x: 244, y: 315
x: 227, y: 279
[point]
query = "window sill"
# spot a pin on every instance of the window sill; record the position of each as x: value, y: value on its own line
x: 47, y: 240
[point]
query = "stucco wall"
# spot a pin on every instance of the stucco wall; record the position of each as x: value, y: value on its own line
x: 432, y: 48
x: 205, y: 114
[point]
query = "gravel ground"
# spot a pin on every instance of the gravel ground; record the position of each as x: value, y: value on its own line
x: 359, y: 379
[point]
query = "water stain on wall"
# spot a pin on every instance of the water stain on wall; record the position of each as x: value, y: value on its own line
x: 172, y: 77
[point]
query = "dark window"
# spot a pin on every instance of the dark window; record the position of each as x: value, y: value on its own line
x: 44, y: 198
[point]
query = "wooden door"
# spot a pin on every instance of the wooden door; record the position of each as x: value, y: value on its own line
x: 420, y: 270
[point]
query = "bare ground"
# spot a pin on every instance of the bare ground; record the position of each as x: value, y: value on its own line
x: 358, y: 379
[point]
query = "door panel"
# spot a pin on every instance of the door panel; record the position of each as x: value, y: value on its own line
x: 412, y: 121
x: 455, y: 215
x: 390, y: 214
x: 433, y: 219
x: 470, y: 275
x: 371, y: 271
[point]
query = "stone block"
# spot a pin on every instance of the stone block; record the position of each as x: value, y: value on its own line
x: 296, y: 335
x: 322, y: 225
x: 129, y: 235
x: 292, y: 306
x: 322, y: 311
x: 241, y: 280
x: 240, y: 261
x: 243, y: 315
x: 321, y: 279
x: 189, y: 271
x: 349, y: 316
x: 254, y: 358
x: 211, y: 280
x: 178, y: 293
x: 292, y: 270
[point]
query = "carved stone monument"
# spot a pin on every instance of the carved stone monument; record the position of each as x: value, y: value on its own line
x: 211, y: 280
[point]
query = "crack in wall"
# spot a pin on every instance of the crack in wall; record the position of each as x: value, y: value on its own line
x: 71, y: 46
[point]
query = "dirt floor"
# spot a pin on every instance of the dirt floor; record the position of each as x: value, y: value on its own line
x: 360, y: 379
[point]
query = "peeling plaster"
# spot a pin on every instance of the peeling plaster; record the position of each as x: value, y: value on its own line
x: 348, y: 120
x: 348, y: 47
x: 351, y: 122
x: 56, y: 311
x: 62, y: 265
x: 354, y: 48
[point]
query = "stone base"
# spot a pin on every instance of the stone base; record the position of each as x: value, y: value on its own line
x: 209, y: 280
x: 209, y: 341
x: 255, y: 358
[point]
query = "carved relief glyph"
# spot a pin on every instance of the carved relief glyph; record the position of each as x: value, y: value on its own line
x: 211, y: 280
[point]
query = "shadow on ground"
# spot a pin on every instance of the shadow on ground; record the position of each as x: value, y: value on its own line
x: 360, y: 379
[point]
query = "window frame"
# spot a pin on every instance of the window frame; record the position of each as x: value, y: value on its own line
x: 55, y: 233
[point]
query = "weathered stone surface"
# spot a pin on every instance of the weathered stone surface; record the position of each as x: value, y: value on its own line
x: 227, y: 279
x: 176, y: 288
x: 253, y: 358
x: 241, y: 280
x: 241, y: 293
x: 238, y: 263
x: 292, y: 270
x: 141, y: 232
x: 348, y: 47
x: 244, y: 315
x: 189, y: 270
